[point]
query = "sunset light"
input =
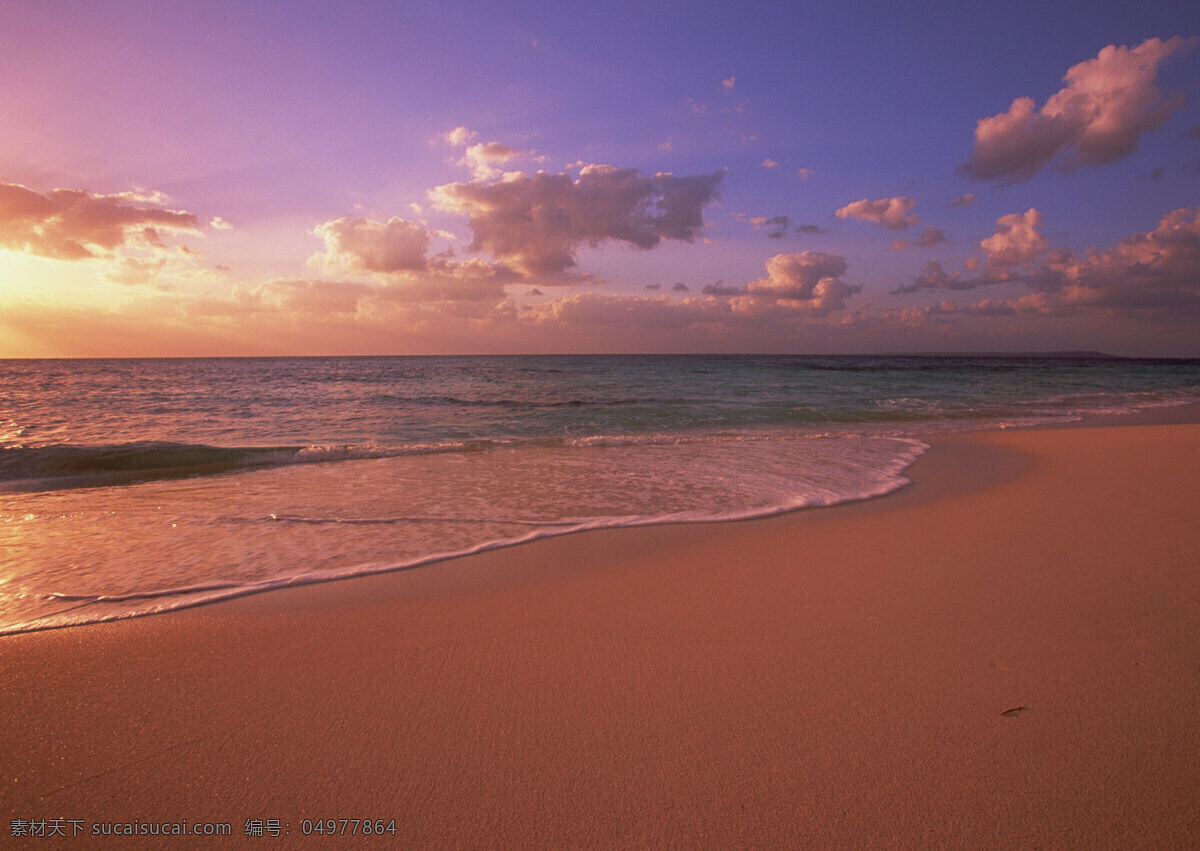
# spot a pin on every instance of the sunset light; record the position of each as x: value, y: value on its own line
x: 681, y: 424
x: 398, y: 180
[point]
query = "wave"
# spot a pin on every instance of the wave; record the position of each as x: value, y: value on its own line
x: 65, y: 466
x: 90, y: 608
x: 70, y: 466
x: 527, y: 404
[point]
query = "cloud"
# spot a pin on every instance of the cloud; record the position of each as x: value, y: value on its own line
x: 364, y: 246
x: 810, y: 277
x: 891, y: 213
x: 990, y: 307
x: 963, y: 200
x: 1158, y: 270
x: 282, y: 296
x: 483, y: 158
x: 1155, y: 273
x: 810, y: 229
x: 1096, y: 118
x: 447, y: 281
x: 681, y: 203
x: 799, y: 291
x: 727, y: 84
x: 73, y: 224
x: 135, y: 272
x: 537, y: 222
x: 769, y: 163
x: 459, y: 136
x: 931, y: 237
x: 679, y: 287
x: 1012, y: 253
x: 629, y: 313
x: 810, y: 280
x: 306, y: 296
x: 934, y: 277
x: 445, y: 288
x: 805, y: 173
x: 1016, y: 242
x: 775, y: 226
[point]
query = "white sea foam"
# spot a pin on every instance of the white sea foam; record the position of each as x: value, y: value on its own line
x: 181, y: 543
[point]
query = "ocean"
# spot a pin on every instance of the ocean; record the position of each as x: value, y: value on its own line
x: 129, y: 487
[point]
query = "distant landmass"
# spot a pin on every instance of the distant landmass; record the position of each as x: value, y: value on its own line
x: 1062, y: 354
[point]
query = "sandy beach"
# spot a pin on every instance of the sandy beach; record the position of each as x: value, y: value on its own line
x: 1004, y: 653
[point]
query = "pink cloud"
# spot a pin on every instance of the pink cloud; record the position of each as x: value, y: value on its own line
x: 282, y: 296
x: 72, y: 224
x: 459, y: 136
x: 1017, y: 251
x: 137, y: 272
x: 537, y: 222
x: 1016, y: 242
x: 891, y: 213
x: 810, y: 277
x: 1158, y: 270
x: 934, y: 277
x: 483, y: 159
x: 314, y: 297
x: 1096, y: 118
x: 446, y: 281
x: 364, y: 246
x: 629, y: 312
x: 775, y: 226
x: 931, y: 237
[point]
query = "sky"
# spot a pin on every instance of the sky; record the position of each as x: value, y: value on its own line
x: 320, y: 178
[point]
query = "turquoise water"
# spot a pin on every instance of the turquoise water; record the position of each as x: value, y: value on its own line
x: 134, y: 486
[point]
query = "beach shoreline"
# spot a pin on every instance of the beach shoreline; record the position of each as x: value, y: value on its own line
x: 1002, y: 651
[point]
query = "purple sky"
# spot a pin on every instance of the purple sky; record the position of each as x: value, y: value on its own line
x: 366, y: 177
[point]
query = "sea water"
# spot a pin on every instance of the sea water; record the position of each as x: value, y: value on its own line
x: 136, y: 486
